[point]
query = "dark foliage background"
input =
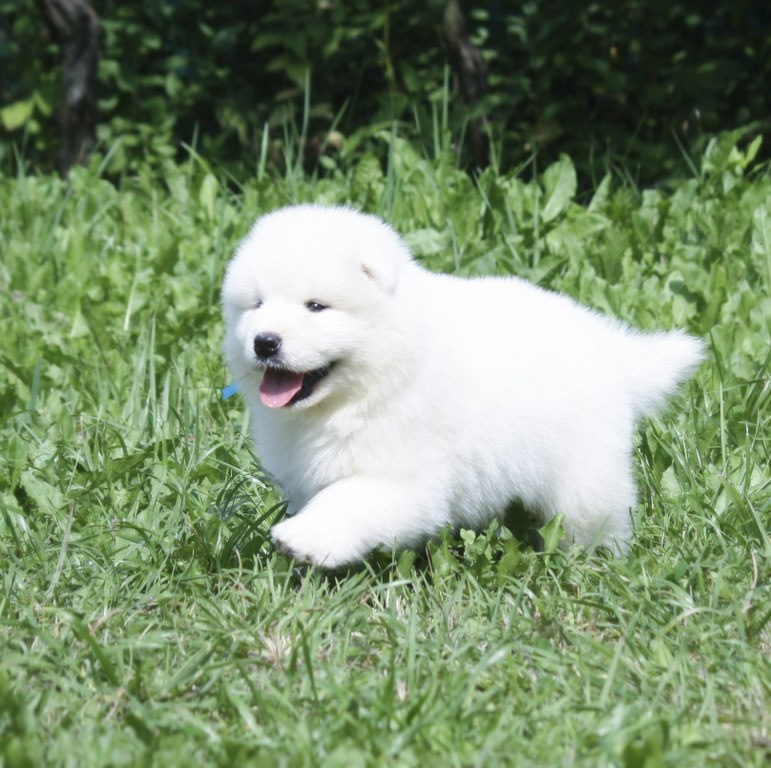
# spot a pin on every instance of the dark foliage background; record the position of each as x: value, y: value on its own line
x: 631, y: 83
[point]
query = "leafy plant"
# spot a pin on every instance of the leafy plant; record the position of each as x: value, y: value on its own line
x: 638, y: 86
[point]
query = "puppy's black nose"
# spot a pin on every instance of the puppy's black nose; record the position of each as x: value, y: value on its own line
x: 266, y: 345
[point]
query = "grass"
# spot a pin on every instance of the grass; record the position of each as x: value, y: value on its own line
x: 144, y: 620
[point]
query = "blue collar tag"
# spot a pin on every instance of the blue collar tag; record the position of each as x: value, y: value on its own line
x: 229, y: 391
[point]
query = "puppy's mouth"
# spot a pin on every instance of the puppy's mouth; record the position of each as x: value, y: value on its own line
x: 281, y: 387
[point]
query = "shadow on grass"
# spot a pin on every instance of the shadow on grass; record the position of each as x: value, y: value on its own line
x: 506, y: 547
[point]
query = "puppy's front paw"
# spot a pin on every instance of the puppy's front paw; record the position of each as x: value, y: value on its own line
x: 307, y: 542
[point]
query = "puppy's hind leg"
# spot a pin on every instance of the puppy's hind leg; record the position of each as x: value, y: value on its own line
x: 342, y: 523
x: 596, y: 497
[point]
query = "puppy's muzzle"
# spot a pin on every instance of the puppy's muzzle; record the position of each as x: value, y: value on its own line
x: 266, y: 345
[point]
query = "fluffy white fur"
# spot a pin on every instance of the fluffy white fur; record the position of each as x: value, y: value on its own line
x: 448, y: 399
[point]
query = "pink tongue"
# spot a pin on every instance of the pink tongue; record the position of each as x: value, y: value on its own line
x: 279, y: 387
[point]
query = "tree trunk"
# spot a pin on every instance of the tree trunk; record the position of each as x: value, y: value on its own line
x: 76, y: 28
x: 470, y: 72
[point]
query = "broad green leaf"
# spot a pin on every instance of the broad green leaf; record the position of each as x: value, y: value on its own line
x: 427, y: 242
x: 559, y: 182
x: 15, y: 115
x: 761, y: 232
x: 601, y: 194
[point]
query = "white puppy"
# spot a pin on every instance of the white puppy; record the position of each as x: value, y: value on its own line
x: 389, y: 401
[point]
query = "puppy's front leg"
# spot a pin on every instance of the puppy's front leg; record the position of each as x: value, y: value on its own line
x: 351, y: 517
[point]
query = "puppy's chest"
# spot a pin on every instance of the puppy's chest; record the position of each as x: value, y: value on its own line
x: 307, y: 460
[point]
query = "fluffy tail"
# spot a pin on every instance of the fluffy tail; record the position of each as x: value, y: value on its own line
x: 660, y: 362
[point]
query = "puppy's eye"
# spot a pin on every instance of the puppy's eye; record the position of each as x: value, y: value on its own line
x: 315, y: 306
x: 257, y: 304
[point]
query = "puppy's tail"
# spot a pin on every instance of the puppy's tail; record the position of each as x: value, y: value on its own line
x: 660, y: 362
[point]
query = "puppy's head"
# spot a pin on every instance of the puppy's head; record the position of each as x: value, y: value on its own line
x: 307, y: 302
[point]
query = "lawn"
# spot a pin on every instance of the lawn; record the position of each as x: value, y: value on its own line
x: 145, y: 619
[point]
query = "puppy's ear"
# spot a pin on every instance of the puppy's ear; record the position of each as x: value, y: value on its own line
x: 382, y: 253
x: 382, y: 272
